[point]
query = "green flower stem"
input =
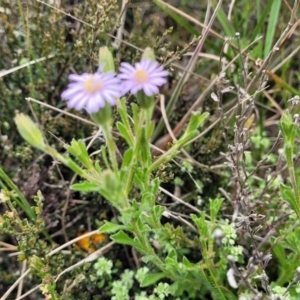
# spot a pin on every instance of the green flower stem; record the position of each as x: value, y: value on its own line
x: 167, y: 156
x: 135, y: 153
x: 92, y: 175
x: 129, y: 179
x: 148, y: 114
x: 111, y: 146
x: 290, y: 163
x: 139, y: 130
x: 53, y: 294
x: 147, y: 247
x: 163, y: 158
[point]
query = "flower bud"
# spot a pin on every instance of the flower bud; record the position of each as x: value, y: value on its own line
x: 148, y: 54
x: 106, y: 59
x: 29, y: 131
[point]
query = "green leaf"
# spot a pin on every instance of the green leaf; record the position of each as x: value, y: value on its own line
x: 289, y: 196
x: 122, y: 238
x: 279, y: 252
x: 20, y: 199
x: 225, y: 23
x: 215, y: 206
x: 172, y: 254
x: 187, y: 263
x: 196, y: 121
x: 112, y: 189
x: 78, y: 150
x: 257, y: 30
x: 158, y: 212
x: 110, y: 227
x: 147, y: 202
x: 127, y: 158
x: 144, y: 150
x: 125, y: 134
x: 150, y: 130
x: 85, y: 186
x: 97, y: 166
x: 272, y: 25
x: 138, y: 178
x: 122, y: 110
x: 202, y: 226
x: 150, y: 279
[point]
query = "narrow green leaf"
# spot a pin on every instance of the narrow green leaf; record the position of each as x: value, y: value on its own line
x: 226, y: 25
x: 122, y: 110
x: 257, y: 30
x: 214, y: 207
x: 85, y: 186
x: 20, y: 199
x: 127, y: 158
x: 279, y: 253
x: 289, y: 196
x: 150, y: 279
x: 122, y: 238
x: 272, y: 25
x: 125, y: 134
x: 187, y: 263
x: 110, y: 227
x: 196, y: 121
x: 97, y: 166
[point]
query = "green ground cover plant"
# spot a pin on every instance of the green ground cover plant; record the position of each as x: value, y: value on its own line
x: 149, y: 150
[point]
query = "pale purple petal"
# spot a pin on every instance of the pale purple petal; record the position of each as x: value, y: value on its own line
x: 147, y: 63
x: 160, y: 74
x: 111, y: 100
x: 154, y: 67
x: 78, y: 101
x: 124, y: 76
x: 158, y: 81
x: 126, y: 87
x: 139, y: 65
x: 150, y: 89
x: 100, y: 100
x: 92, y: 107
x: 70, y: 93
x: 127, y: 66
x: 135, y: 89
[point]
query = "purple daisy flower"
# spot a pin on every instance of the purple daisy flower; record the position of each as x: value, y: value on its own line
x: 91, y: 91
x: 145, y: 75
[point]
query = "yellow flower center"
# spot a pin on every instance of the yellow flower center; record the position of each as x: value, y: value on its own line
x: 141, y: 76
x: 92, y: 86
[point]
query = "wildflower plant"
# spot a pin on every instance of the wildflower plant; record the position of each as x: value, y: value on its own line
x: 131, y: 185
x: 115, y: 181
x: 220, y: 245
